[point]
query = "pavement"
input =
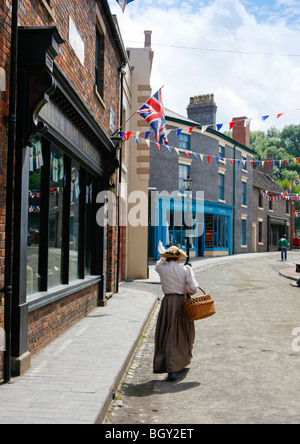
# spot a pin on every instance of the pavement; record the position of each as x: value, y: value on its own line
x: 74, y: 379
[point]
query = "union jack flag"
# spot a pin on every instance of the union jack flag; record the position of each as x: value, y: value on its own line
x: 123, y: 3
x: 153, y: 112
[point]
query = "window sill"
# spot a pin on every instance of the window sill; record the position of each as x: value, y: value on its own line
x: 38, y: 300
x: 49, y: 9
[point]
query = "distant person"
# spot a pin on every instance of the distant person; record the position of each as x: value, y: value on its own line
x: 284, y: 245
x: 175, y: 334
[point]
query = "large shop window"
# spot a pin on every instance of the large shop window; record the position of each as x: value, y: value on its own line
x: 216, y: 232
x: 61, y: 225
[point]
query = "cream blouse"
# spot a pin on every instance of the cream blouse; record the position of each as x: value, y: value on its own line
x: 176, y: 278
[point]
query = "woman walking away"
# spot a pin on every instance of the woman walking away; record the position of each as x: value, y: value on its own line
x: 175, y: 334
x: 284, y: 245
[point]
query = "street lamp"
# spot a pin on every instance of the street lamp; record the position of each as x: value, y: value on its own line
x: 188, y: 183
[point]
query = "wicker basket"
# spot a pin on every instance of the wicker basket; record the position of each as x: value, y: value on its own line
x: 199, y: 307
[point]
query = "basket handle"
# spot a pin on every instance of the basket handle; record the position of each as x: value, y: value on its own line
x: 186, y: 292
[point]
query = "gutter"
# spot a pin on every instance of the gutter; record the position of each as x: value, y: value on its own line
x: 122, y: 73
x: 116, y: 36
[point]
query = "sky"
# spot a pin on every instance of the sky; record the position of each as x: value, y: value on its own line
x: 246, y: 53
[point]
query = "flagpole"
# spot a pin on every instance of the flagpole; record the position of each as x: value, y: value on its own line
x: 119, y: 129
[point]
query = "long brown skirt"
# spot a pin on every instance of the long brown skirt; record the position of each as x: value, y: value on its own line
x: 174, y: 336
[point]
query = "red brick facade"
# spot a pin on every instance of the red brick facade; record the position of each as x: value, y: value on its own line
x: 5, y: 28
x: 46, y: 323
x: 49, y: 322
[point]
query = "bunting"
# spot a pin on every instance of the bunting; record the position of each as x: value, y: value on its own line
x: 35, y: 156
x: 207, y: 158
x: 231, y: 124
x: 274, y: 196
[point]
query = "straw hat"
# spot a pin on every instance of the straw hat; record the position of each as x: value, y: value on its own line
x: 173, y: 252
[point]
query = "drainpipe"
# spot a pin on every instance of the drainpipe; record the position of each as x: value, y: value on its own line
x: 122, y: 73
x: 11, y: 120
x: 234, y: 193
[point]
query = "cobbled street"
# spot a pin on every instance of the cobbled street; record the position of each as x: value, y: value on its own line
x: 245, y: 368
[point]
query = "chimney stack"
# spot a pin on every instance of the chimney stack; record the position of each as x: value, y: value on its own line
x: 203, y: 109
x: 148, y: 38
x: 268, y: 169
x: 240, y: 133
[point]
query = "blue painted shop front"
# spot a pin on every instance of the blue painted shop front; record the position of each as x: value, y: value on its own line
x: 208, y: 225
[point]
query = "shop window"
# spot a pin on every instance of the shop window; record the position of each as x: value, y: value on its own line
x: 56, y: 196
x: 216, y: 232
x: 89, y: 231
x: 34, y: 217
x: 61, y: 222
x: 74, y: 221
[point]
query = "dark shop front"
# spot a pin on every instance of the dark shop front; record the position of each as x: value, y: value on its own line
x: 63, y: 160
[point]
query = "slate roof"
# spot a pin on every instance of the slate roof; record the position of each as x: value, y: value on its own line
x: 265, y: 182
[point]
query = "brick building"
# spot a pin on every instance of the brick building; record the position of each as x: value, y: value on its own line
x: 220, y: 167
x: 272, y: 212
x: 69, y: 58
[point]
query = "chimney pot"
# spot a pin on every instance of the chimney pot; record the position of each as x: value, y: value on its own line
x: 148, y: 37
x: 202, y: 109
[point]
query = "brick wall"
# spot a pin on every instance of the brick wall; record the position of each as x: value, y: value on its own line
x: 5, y: 30
x: 83, y: 14
x: 47, y: 323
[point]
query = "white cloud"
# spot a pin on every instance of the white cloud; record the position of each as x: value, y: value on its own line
x: 243, y: 84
